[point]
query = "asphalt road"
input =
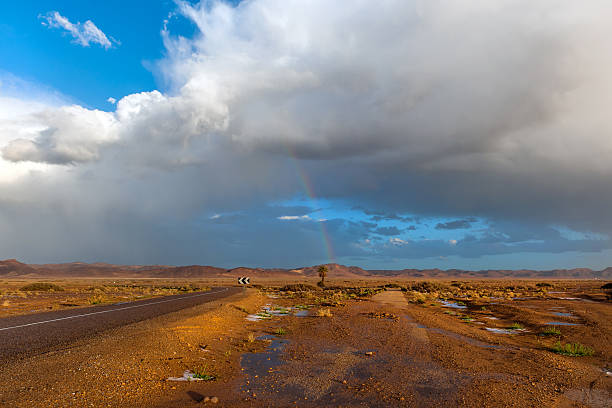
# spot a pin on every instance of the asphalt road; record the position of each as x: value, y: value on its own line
x: 43, y: 332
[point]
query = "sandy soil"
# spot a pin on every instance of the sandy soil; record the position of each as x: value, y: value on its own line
x: 129, y: 366
x: 388, y: 352
x: 391, y: 349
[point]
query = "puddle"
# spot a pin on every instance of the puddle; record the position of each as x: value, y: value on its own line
x: 454, y: 305
x: 267, y: 337
x: 187, y: 376
x: 258, y: 365
x: 270, y: 311
x: 563, y: 314
x: 503, y: 331
x: 491, y: 318
x: 561, y: 324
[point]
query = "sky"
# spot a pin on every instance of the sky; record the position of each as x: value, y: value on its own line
x: 284, y: 133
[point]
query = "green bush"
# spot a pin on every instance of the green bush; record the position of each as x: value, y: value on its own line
x: 42, y: 287
x: 572, y: 349
x: 427, y: 287
x: 297, y: 287
x: 551, y: 331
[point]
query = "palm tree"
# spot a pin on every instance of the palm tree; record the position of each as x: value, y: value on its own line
x: 322, y: 274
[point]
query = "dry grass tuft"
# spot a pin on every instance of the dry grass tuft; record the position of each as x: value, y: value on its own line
x: 324, y: 313
x: 96, y: 300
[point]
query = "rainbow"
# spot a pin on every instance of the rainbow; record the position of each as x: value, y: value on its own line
x: 309, y: 190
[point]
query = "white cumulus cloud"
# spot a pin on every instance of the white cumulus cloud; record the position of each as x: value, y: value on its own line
x: 490, y: 109
x: 294, y: 217
x: 83, y: 33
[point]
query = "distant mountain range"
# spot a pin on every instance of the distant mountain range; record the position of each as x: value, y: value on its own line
x: 12, y: 268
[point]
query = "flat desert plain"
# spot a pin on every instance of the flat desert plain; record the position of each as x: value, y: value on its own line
x: 366, y: 342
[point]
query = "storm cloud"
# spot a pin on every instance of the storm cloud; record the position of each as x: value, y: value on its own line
x: 409, y: 108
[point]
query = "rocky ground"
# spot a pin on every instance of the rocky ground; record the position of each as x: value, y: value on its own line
x: 429, y: 344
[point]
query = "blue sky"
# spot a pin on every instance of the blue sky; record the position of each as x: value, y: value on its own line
x: 283, y: 133
x: 87, y: 75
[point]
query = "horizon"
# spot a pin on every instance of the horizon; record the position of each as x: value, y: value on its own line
x: 298, y: 267
x: 274, y: 133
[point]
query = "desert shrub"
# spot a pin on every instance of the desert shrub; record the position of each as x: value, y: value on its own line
x: 281, y: 331
x: 607, y: 286
x: 201, y: 373
x: 572, y: 349
x: 393, y: 285
x: 416, y: 297
x: 544, y: 285
x: 427, y: 287
x: 362, y: 292
x: 516, y: 326
x: 551, y: 331
x: 297, y: 287
x: 184, y: 288
x: 42, y: 287
x: 324, y: 313
x: 97, y: 299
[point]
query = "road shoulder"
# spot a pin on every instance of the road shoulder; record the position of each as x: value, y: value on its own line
x: 126, y: 366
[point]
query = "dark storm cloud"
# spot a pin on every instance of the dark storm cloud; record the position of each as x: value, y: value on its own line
x: 456, y: 224
x: 388, y: 231
x: 419, y: 113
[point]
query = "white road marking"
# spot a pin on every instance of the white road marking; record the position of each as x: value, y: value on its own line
x: 112, y: 310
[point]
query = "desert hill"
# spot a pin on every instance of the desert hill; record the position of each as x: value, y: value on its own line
x: 12, y: 268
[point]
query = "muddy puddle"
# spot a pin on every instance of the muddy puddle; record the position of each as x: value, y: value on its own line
x: 269, y: 311
x: 256, y: 366
x: 454, y: 305
x: 504, y: 331
x: 563, y: 314
x: 561, y: 324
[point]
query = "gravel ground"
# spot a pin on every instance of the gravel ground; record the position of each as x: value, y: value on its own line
x: 376, y: 352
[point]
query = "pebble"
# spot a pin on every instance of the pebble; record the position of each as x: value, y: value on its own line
x: 214, y: 400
